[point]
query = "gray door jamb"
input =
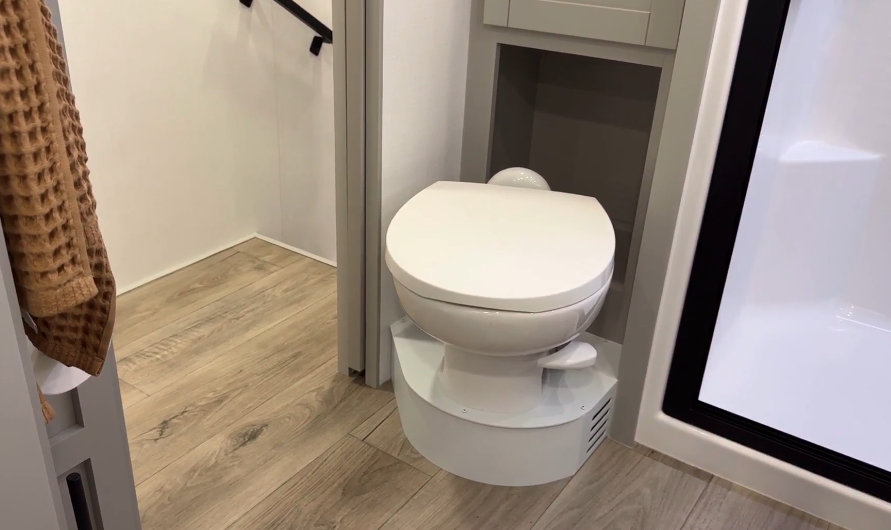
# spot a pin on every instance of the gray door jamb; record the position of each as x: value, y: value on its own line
x: 349, y: 115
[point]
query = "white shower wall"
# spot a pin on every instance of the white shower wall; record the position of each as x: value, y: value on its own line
x: 205, y: 122
x: 804, y: 330
x: 424, y: 75
x: 854, y: 109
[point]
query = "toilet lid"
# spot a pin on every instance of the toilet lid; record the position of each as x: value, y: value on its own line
x: 498, y: 247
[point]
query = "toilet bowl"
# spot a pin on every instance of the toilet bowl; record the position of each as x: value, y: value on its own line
x: 506, y: 278
x: 495, y: 360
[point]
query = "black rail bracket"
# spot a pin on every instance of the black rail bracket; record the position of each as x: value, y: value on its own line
x: 324, y: 33
x: 316, y: 45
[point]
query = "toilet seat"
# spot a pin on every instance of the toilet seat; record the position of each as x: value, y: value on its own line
x: 496, y: 332
x: 502, y: 248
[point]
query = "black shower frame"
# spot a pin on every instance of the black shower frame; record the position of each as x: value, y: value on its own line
x: 750, y: 88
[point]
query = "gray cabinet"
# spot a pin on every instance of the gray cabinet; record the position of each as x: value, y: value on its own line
x: 644, y: 22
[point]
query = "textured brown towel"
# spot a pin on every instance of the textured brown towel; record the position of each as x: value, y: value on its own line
x: 47, y: 208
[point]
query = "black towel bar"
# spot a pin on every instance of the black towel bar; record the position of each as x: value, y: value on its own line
x: 325, y: 34
x: 79, y: 502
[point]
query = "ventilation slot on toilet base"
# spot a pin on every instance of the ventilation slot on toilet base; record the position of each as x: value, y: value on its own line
x: 599, y: 424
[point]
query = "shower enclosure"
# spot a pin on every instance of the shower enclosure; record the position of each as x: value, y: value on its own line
x: 784, y: 343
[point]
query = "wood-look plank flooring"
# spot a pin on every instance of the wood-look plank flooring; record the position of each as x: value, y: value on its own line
x: 130, y: 395
x: 732, y: 507
x: 238, y: 419
x: 390, y: 439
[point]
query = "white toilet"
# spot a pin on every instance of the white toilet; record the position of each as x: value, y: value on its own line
x: 502, y: 276
x: 493, y: 381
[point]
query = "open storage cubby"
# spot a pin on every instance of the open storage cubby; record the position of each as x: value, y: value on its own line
x: 584, y: 124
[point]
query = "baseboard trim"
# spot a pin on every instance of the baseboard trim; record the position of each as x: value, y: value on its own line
x: 171, y: 270
x: 285, y: 246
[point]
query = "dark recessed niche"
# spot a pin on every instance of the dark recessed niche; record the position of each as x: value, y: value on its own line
x: 584, y: 124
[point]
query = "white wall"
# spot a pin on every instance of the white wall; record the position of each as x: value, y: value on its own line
x: 424, y: 75
x: 854, y: 110
x: 184, y: 106
x: 305, y: 93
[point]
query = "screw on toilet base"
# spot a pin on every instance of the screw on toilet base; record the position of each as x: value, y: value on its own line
x: 464, y: 411
x: 583, y: 407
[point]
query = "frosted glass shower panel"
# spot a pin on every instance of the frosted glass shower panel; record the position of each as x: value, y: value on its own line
x: 803, y: 337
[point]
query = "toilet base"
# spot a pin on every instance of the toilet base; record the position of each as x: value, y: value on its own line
x: 507, y: 383
x: 546, y: 443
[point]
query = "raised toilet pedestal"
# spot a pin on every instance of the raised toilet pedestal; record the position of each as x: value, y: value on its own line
x: 494, y: 383
x: 547, y: 442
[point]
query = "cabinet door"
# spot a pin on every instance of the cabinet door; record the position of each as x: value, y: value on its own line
x: 645, y: 22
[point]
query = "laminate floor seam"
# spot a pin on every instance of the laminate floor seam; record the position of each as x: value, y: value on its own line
x: 407, y: 501
x: 211, y: 302
x: 180, y: 457
x: 187, y: 315
x: 537, y: 519
x: 429, y: 478
x: 230, y: 346
x: 284, y: 484
x: 265, y: 260
x: 182, y: 375
x: 369, y: 433
x: 260, y: 501
x: 404, y: 504
x: 134, y: 386
x: 237, y: 418
x: 683, y: 524
x: 695, y: 504
x: 204, y: 303
x: 209, y: 435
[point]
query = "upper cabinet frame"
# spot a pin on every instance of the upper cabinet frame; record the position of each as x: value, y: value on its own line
x: 653, y: 23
